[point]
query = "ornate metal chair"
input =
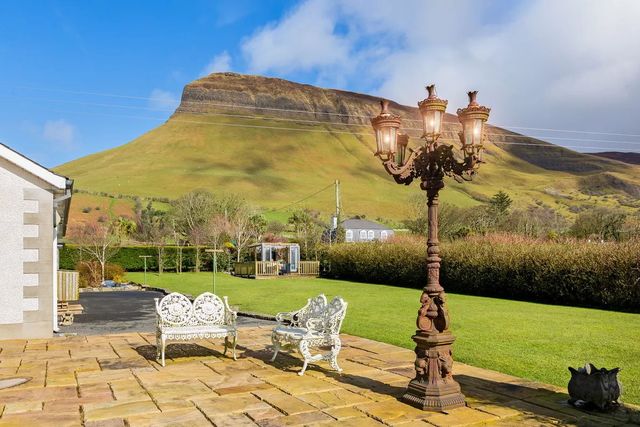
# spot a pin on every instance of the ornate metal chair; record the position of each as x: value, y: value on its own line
x: 208, y: 317
x: 317, y: 324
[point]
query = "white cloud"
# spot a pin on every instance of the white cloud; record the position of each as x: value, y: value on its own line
x: 221, y: 62
x: 305, y: 39
x: 571, y: 64
x: 60, y: 132
x: 163, y: 100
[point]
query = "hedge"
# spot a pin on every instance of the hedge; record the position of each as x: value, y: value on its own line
x: 605, y: 275
x: 128, y: 257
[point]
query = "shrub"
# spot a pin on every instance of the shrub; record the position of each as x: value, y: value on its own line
x: 128, y: 257
x: 605, y: 275
x: 90, y: 274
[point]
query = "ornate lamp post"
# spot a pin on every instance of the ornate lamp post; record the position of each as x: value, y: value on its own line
x: 433, y: 387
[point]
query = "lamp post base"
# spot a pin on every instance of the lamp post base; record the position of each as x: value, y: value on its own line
x: 433, y: 388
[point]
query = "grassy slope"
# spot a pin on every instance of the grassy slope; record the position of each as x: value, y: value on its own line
x: 528, y: 340
x: 273, y: 168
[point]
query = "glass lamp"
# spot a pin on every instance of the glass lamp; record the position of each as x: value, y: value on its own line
x: 403, y: 141
x: 473, y: 118
x: 432, y: 111
x: 386, y: 127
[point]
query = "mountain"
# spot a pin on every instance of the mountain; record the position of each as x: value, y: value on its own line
x: 626, y: 157
x: 277, y: 142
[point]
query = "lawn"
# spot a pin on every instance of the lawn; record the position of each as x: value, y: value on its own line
x: 534, y: 341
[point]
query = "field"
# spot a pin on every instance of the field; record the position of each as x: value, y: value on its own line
x: 529, y: 340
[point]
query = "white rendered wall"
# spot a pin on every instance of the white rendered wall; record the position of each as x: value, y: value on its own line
x: 12, y: 253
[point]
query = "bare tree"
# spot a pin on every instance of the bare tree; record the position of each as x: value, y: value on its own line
x: 245, y: 226
x: 191, y: 214
x: 99, y: 241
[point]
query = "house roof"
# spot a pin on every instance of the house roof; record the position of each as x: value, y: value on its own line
x: 58, y: 181
x: 360, y: 224
x: 62, y: 186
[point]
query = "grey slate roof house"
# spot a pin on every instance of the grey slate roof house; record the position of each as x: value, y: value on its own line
x: 362, y: 230
x: 34, y: 207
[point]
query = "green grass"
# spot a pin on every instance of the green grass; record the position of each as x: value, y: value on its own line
x: 534, y: 341
x: 274, y: 168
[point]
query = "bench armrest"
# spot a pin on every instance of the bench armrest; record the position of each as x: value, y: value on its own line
x: 230, y: 316
x: 287, y: 318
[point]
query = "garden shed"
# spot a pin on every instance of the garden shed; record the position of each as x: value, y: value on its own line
x: 273, y: 259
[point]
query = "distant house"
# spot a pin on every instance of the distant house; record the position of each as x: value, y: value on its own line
x: 34, y: 207
x: 361, y: 230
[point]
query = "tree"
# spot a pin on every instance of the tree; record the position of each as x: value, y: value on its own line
x: 500, y: 203
x: 191, y: 213
x: 125, y: 227
x: 600, y: 223
x: 244, y: 226
x: 99, y: 241
x: 308, y: 228
x: 154, y: 229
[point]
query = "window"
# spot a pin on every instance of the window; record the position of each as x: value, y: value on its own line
x: 383, y: 235
x: 348, y: 236
x: 371, y: 235
x: 363, y: 235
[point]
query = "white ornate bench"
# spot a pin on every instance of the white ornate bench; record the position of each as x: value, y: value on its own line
x: 317, y: 324
x: 208, y: 317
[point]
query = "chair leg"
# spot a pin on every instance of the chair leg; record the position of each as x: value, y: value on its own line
x: 164, y: 343
x: 158, y: 344
x: 335, y: 349
x: 226, y: 345
x: 303, y: 347
x: 276, y: 349
x: 304, y: 367
x: 235, y: 342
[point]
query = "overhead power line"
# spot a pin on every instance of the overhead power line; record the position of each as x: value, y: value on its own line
x: 254, y: 107
x: 294, y: 129
x: 304, y: 198
x: 540, y: 137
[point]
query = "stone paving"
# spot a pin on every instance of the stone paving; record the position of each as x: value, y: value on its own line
x: 112, y: 380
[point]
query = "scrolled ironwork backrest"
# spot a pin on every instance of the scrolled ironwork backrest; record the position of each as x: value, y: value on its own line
x: 334, y: 315
x: 175, y: 309
x: 314, y: 309
x: 209, y: 308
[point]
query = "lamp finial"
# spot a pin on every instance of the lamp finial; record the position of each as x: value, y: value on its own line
x: 432, y: 91
x: 472, y: 98
x: 384, y: 105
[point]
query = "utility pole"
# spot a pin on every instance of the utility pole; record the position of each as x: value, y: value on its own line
x: 337, y: 199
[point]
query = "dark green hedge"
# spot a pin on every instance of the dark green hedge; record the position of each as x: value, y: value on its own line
x: 129, y: 258
x: 605, y: 275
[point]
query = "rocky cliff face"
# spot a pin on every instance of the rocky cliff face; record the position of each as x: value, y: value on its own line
x: 241, y: 95
x: 264, y: 96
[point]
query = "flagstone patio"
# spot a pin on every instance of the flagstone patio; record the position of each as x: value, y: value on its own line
x: 112, y: 380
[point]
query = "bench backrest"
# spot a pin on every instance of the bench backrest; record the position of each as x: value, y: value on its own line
x: 334, y: 315
x: 175, y: 309
x: 314, y: 309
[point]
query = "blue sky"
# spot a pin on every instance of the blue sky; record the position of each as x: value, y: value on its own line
x: 571, y: 66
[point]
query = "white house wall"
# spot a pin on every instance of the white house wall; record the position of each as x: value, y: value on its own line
x: 26, y: 254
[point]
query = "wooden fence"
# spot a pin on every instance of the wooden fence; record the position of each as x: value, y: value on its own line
x: 309, y: 268
x: 68, y: 286
x: 264, y: 269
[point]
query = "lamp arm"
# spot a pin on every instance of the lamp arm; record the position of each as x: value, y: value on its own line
x: 402, y: 174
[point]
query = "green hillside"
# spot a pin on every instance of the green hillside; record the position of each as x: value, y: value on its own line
x: 257, y: 156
